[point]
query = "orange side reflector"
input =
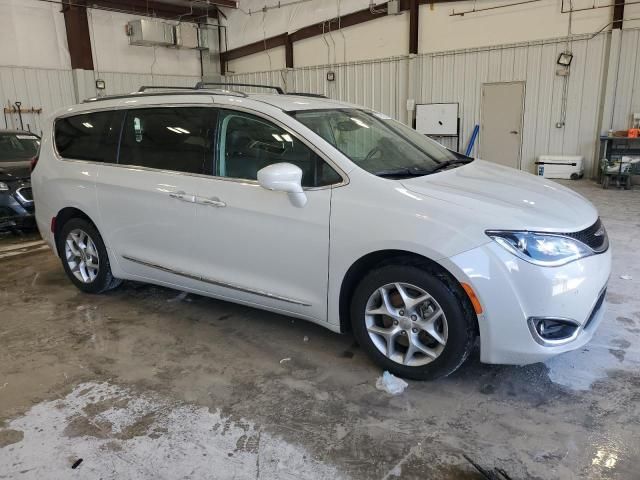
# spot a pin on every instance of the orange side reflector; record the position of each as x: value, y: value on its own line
x: 472, y: 296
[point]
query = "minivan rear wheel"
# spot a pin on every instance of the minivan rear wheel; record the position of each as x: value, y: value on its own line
x: 411, y: 322
x: 84, y: 257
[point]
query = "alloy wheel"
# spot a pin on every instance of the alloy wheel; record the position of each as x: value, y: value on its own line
x: 82, y: 256
x: 406, y: 324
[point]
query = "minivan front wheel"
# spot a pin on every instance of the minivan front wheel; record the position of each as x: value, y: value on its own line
x: 411, y: 322
x: 84, y: 257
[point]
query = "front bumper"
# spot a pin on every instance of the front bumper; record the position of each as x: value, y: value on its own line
x: 511, y: 291
x: 15, y: 212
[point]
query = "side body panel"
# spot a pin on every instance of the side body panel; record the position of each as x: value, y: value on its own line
x: 58, y: 184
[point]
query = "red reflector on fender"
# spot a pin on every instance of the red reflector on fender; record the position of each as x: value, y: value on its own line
x: 53, y: 225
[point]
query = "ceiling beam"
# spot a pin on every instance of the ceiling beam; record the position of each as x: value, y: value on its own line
x: 157, y: 9
x: 618, y: 14
x: 288, y: 52
x: 317, y: 29
x: 78, y: 39
x: 414, y: 19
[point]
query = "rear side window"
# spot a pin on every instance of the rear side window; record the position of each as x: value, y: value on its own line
x: 89, y: 136
x: 177, y: 138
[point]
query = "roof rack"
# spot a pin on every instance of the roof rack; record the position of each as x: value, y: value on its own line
x: 180, y: 91
x: 201, y: 85
x: 144, y: 88
x: 304, y: 94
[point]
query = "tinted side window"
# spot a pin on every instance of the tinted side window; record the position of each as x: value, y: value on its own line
x: 249, y: 143
x: 177, y: 138
x: 89, y: 136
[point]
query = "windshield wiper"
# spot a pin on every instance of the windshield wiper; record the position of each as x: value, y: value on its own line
x: 403, y: 172
x: 448, y: 163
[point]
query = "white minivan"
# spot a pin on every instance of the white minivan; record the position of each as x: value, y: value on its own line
x: 324, y: 211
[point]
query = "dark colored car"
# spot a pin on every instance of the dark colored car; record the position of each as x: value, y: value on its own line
x: 18, y: 150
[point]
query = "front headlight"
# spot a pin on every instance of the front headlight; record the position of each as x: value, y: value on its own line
x: 548, y: 250
x: 3, y: 187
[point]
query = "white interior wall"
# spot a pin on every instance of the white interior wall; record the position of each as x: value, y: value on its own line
x: 626, y: 87
x: 439, y: 30
x: 33, y: 35
x: 389, y: 35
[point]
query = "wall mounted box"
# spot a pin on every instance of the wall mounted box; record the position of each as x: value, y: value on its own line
x: 150, y: 33
x: 187, y: 35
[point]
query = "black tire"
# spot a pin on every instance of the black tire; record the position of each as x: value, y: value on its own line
x: 446, y: 292
x: 104, y: 280
x: 575, y: 176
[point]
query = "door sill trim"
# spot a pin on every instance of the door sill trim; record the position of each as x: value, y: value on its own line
x: 219, y: 283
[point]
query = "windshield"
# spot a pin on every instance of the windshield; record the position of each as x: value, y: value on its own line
x: 377, y: 143
x: 16, y: 146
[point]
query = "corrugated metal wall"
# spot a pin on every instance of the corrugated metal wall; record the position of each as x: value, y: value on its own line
x: 457, y: 76
x: 380, y: 85
x: 119, y: 83
x: 35, y: 88
x: 627, y: 89
x: 54, y: 89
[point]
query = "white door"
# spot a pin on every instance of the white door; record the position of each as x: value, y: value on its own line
x: 501, y: 114
x: 146, y: 213
x: 254, y: 245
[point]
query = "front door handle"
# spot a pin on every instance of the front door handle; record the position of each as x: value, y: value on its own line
x: 513, y: 132
x: 212, y: 202
x: 185, y: 197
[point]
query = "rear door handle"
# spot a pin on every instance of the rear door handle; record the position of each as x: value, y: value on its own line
x: 212, y: 202
x: 185, y: 197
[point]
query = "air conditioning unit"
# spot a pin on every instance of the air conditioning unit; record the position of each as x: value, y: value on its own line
x: 150, y: 33
x: 560, y: 166
x: 187, y: 35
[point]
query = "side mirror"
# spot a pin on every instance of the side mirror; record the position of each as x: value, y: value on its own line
x: 284, y: 177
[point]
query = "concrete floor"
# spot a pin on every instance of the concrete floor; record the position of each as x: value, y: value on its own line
x: 147, y: 383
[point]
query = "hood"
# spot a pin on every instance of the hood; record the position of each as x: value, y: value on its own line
x: 509, y: 199
x: 16, y: 170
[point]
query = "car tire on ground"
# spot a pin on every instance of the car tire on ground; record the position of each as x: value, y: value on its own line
x: 84, y: 257
x: 412, y: 322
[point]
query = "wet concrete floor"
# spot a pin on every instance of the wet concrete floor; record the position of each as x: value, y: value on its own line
x: 146, y: 383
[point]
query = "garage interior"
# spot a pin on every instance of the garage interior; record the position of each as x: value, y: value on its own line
x: 148, y: 382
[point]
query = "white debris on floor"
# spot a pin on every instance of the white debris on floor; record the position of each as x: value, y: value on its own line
x: 391, y: 384
x: 120, y: 434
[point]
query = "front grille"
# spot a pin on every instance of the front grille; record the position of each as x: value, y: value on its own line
x: 595, y: 237
x: 596, y: 309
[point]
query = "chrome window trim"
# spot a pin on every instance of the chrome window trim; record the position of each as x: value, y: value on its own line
x: 219, y: 283
x: 311, y: 146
